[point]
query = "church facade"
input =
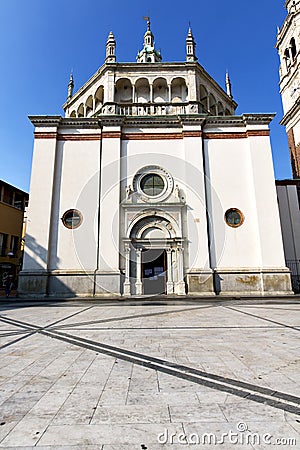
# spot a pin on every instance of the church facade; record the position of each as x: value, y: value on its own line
x: 152, y: 185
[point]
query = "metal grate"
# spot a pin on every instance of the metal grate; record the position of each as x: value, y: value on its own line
x: 294, y: 266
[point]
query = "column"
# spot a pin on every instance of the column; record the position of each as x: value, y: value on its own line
x: 180, y: 285
x: 291, y: 55
x: 133, y: 94
x: 138, y: 284
x: 151, y: 93
x: 127, y: 271
x: 170, y: 92
x: 170, y: 284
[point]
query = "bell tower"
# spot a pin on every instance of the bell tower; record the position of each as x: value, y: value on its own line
x: 288, y: 46
x: 149, y: 54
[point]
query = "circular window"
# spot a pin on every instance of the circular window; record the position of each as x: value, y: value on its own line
x: 234, y: 217
x: 72, y: 218
x: 152, y: 184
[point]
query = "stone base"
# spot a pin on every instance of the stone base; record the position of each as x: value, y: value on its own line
x: 253, y: 282
x: 32, y: 284
x: 108, y: 283
x: 200, y: 283
x: 69, y: 284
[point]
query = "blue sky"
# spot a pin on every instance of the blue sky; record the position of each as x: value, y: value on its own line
x: 42, y: 40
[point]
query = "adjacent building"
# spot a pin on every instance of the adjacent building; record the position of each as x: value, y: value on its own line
x: 288, y: 46
x: 150, y: 185
x: 12, y: 206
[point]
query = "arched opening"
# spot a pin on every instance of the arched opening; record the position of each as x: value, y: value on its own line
x: 220, y: 109
x: 99, y: 98
x: 73, y: 113
x: 123, y: 91
x: 179, y: 91
x: 293, y: 48
x: 154, y: 257
x: 227, y: 112
x: 287, y: 58
x: 80, y: 110
x: 89, y: 106
x: 160, y: 90
x: 203, y: 98
x: 142, y: 89
x: 212, y: 105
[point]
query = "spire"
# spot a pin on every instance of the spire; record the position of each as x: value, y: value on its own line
x: 70, y: 86
x: 110, y: 49
x: 190, y: 46
x: 228, y: 85
x: 148, y: 54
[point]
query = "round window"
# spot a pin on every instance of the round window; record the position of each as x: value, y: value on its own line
x: 152, y: 184
x: 234, y: 217
x: 72, y: 218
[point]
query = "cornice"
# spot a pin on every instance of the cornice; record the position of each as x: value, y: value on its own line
x: 258, y: 119
x: 45, y: 121
x: 176, y: 121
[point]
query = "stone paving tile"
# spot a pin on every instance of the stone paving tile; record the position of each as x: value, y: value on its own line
x: 209, y: 412
x: 105, y: 434
x: 132, y: 414
x: 252, y: 411
x: 26, y: 432
x: 169, y: 398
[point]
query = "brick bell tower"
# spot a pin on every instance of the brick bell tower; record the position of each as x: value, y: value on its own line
x: 288, y: 46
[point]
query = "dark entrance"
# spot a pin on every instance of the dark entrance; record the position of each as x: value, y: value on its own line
x: 154, y: 271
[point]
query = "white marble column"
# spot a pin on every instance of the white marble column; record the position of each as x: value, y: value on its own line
x: 151, y: 93
x: 138, y: 284
x: 180, y: 285
x: 127, y: 271
x: 170, y: 283
x: 170, y: 92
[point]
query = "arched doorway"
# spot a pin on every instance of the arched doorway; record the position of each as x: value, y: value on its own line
x: 154, y: 257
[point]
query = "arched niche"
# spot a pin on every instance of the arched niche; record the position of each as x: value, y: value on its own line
x: 142, y: 90
x: 212, y: 105
x: 99, y: 98
x: 179, y: 91
x: 89, y: 106
x: 203, y: 98
x: 160, y: 90
x: 80, y: 110
x: 220, y: 109
x: 123, y: 91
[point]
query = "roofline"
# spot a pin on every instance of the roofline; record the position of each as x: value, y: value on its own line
x: 288, y: 182
x: 14, y: 187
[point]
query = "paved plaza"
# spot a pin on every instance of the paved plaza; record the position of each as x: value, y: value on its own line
x: 150, y: 374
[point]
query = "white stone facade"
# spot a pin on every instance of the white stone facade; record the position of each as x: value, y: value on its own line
x: 173, y: 193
